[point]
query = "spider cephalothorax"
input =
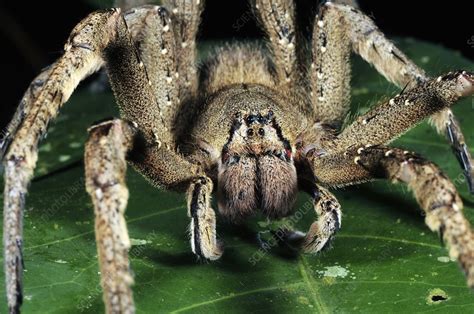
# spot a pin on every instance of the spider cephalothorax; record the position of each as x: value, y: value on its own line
x: 254, y: 125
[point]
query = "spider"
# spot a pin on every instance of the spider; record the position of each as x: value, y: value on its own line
x: 253, y: 125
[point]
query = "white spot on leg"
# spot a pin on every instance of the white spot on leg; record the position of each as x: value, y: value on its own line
x: 166, y: 28
x: 391, y: 102
x: 99, y: 194
x: 158, y: 142
x: 169, y: 79
x: 323, y: 49
x: 320, y: 23
x: 164, y: 51
x: 357, y: 160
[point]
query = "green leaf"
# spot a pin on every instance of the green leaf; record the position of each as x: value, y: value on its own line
x: 384, y: 259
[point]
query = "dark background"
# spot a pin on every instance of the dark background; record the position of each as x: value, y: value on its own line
x: 33, y: 33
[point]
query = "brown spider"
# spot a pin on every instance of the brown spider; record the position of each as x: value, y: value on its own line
x: 254, y: 125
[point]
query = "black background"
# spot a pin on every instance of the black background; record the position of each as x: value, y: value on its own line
x: 32, y: 33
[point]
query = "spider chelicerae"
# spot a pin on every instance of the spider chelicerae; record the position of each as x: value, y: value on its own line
x: 253, y: 125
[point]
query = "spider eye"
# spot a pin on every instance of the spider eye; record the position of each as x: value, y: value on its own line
x: 261, y: 132
x: 250, y: 132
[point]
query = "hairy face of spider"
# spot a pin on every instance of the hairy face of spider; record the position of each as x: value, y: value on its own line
x: 256, y: 169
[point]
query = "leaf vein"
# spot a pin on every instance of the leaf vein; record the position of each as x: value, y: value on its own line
x: 236, y: 295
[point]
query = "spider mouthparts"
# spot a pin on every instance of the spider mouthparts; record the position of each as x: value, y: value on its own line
x: 256, y: 149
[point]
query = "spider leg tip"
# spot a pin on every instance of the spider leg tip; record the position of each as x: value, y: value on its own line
x: 470, y: 184
x: 465, y: 84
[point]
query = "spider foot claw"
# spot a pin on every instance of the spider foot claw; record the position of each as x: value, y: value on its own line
x: 462, y: 154
x: 290, y: 239
x: 464, y: 82
x: 208, y: 253
x: 468, y: 174
x: 282, y: 238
